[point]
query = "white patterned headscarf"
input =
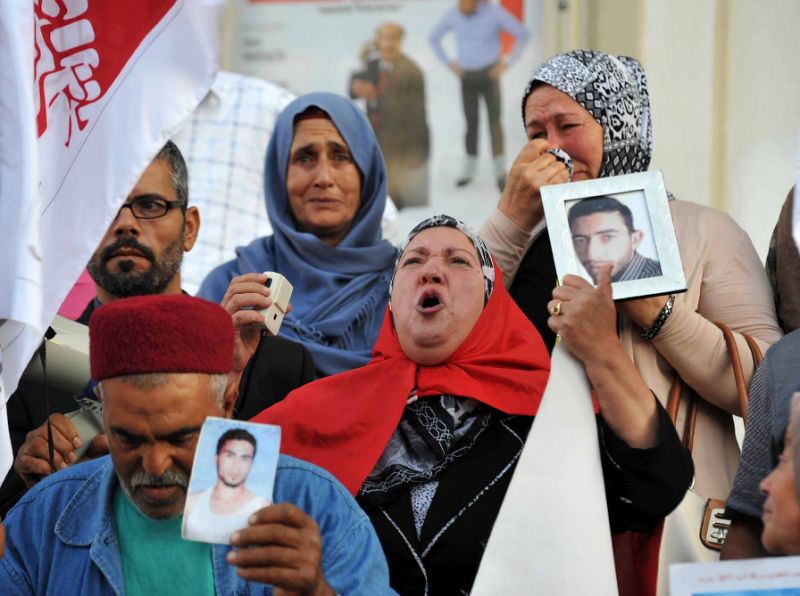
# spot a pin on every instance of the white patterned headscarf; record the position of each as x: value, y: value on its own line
x: 613, y: 89
x: 485, y: 258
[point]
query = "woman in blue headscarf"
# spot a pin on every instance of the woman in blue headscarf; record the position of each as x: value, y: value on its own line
x: 325, y: 182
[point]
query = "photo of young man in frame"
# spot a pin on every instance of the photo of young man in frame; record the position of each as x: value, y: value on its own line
x: 610, y: 230
x: 217, y: 507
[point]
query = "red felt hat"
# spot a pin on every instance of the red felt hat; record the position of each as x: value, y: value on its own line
x: 153, y: 334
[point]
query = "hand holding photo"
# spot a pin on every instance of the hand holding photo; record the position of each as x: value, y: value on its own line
x: 232, y: 477
x: 621, y: 222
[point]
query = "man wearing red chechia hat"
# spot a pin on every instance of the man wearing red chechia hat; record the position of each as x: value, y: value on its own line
x: 141, y: 254
x: 112, y: 525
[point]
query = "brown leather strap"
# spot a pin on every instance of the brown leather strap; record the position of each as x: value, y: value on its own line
x: 674, y: 399
x: 736, y: 363
x: 755, y: 349
x: 676, y: 390
x: 673, y: 405
x: 690, y: 422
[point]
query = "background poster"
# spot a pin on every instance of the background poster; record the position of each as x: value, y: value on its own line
x: 315, y: 45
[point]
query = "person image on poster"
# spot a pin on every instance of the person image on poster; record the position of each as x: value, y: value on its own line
x: 477, y: 26
x: 216, y: 512
x: 603, y: 233
x: 394, y: 90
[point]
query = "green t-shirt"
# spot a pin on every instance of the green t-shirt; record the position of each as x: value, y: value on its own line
x: 155, y: 559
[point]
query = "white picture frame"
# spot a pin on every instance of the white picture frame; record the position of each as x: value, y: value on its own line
x: 234, y: 467
x: 652, y: 264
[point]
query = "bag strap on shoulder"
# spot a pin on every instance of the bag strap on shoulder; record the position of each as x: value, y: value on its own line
x: 736, y: 363
x: 676, y: 390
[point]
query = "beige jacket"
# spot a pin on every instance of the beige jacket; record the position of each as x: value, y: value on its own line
x: 726, y: 282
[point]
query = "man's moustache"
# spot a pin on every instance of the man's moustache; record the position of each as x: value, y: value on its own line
x: 127, y: 242
x: 168, y: 478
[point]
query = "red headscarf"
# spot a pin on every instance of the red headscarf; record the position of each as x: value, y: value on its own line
x: 343, y: 422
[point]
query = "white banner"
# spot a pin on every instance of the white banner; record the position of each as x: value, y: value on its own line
x: 552, y: 534
x: 91, y: 91
x: 17, y: 155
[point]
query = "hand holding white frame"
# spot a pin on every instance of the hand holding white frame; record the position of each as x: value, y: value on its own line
x: 555, y: 199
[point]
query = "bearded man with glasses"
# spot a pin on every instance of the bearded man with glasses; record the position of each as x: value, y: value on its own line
x: 142, y: 250
x: 140, y: 254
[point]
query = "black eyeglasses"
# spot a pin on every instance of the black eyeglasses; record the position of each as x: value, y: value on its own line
x: 149, y: 207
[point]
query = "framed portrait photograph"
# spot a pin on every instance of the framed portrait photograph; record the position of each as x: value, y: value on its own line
x: 233, y: 476
x: 622, y: 221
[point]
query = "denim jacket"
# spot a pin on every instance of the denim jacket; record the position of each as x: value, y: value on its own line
x: 62, y: 538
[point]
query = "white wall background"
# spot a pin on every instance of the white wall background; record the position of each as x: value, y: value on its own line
x: 678, y: 55
x: 763, y: 116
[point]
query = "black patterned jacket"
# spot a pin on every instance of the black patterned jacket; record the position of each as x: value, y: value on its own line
x: 642, y: 486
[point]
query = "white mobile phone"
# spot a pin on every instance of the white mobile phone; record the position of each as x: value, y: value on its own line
x: 88, y: 419
x: 280, y: 292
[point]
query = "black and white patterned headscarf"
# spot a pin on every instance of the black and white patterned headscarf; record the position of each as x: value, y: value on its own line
x: 446, y: 221
x: 613, y: 89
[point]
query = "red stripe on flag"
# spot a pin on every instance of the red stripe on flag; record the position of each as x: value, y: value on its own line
x: 516, y: 8
x: 116, y: 30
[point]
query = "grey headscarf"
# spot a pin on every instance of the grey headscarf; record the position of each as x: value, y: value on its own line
x: 613, y: 89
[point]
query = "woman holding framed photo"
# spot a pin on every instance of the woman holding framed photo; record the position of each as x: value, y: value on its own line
x: 596, y: 108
